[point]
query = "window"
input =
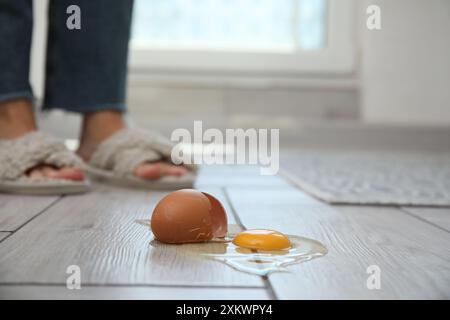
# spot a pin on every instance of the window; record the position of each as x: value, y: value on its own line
x: 242, y: 35
x: 255, y: 25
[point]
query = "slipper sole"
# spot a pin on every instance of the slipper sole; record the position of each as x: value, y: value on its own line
x: 44, y: 188
x: 130, y: 181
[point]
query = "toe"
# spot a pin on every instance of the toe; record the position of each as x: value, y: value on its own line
x: 148, y: 171
x: 172, y: 170
x: 35, y: 173
x: 70, y: 173
x: 49, y: 172
x: 158, y: 169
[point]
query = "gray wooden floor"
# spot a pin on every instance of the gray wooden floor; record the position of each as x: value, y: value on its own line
x: 41, y: 236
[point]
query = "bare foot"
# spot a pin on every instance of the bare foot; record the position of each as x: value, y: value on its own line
x: 16, y: 120
x: 69, y: 173
x: 98, y: 126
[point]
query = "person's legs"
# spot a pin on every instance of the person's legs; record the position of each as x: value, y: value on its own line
x: 86, y: 72
x: 86, y: 68
x: 16, y: 22
x: 16, y: 96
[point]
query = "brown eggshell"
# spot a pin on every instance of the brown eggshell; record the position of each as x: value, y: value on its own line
x: 218, y: 216
x: 188, y: 215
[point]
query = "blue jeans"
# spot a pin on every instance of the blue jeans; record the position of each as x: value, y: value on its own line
x: 85, y: 69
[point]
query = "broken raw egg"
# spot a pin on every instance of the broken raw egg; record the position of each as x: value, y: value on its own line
x: 199, y: 220
x: 262, y: 239
x: 187, y: 216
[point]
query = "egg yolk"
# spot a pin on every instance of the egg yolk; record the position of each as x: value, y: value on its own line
x: 262, y: 240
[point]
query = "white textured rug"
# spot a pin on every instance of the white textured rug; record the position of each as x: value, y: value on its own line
x: 372, y: 177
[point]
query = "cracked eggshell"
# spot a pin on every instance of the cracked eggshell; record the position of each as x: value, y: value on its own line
x: 218, y: 217
x: 188, y: 215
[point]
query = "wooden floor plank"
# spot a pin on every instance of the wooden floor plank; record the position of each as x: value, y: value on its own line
x: 242, y: 181
x: 236, y: 170
x: 437, y: 216
x: 413, y: 256
x: 97, y: 232
x: 130, y: 292
x: 3, y: 235
x: 237, y: 176
x: 15, y: 210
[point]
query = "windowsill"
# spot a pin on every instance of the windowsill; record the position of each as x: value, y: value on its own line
x: 171, y: 78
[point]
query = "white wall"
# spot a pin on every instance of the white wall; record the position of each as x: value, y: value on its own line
x: 406, y: 64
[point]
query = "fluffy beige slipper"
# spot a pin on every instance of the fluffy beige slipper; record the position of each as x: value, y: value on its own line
x: 115, y: 159
x: 19, y: 155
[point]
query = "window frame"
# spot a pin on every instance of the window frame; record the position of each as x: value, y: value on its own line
x: 337, y: 57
